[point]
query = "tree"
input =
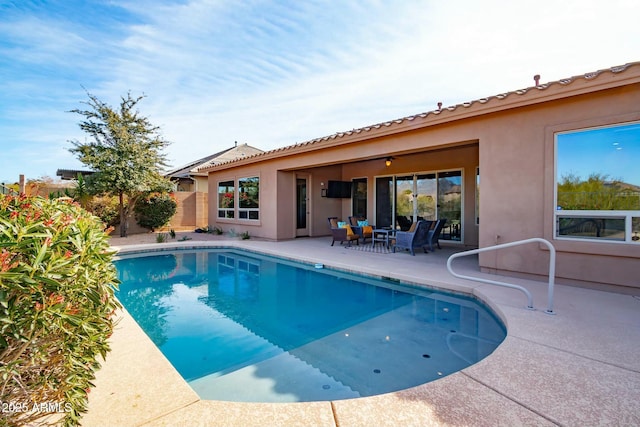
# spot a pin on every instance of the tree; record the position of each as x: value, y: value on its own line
x: 125, y: 153
x: 155, y: 210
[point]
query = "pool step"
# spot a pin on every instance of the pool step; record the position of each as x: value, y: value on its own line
x: 283, y: 378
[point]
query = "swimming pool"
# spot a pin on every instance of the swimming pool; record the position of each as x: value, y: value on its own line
x: 245, y: 327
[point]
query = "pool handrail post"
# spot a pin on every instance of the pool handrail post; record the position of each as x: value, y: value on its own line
x: 552, y: 269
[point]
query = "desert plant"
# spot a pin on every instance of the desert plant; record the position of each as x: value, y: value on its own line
x: 161, y: 237
x: 217, y: 231
x: 155, y: 210
x: 57, y: 304
x: 232, y: 233
x: 245, y: 235
x: 105, y: 208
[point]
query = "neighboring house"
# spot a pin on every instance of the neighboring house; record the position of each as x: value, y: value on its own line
x: 187, y: 177
x: 72, y: 174
x: 192, y: 186
x: 525, y: 145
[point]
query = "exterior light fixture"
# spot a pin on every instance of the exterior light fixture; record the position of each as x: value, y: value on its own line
x: 388, y: 161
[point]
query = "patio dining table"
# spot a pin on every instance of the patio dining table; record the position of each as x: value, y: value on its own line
x: 382, y: 235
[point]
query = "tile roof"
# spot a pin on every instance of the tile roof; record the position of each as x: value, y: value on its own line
x: 459, y: 108
x: 184, y: 171
x: 241, y: 151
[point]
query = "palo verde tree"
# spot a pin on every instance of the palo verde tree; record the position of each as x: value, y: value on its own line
x: 125, y: 151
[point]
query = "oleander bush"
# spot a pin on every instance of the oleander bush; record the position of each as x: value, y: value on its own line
x: 57, y: 303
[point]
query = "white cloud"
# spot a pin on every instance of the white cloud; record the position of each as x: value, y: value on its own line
x: 276, y: 74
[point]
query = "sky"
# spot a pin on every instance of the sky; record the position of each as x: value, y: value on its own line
x: 611, y: 152
x: 276, y: 73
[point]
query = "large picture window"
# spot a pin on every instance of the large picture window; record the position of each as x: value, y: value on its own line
x: 598, y: 184
x: 249, y: 198
x: 226, y: 199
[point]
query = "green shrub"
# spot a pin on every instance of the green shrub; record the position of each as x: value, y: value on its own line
x: 155, y: 210
x: 106, y: 208
x: 245, y: 235
x: 57, y: 304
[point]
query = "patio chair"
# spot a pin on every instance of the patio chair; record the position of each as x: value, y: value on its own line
x: 404, y: 222
x: 413, y: 239
x: 341, y: 234
x: 358, y: 226
x: 434, y: 234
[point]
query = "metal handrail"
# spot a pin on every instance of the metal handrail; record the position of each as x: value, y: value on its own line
x: 552, y: 269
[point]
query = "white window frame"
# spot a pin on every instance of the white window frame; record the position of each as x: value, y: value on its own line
x: 247, y: 211
x: 226, y: 210
x: 627, y: 215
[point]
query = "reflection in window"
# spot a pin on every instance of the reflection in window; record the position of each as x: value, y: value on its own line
x: 598, y: 183
x: 404, y: 201
x: 248, y: 198
x: 450, y: 200
x: 226, y: 199
x: 591, y: 227
x: 427, y: 194
x: 415, y: 197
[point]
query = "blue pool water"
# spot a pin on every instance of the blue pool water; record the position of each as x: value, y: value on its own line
x: 245, y: 327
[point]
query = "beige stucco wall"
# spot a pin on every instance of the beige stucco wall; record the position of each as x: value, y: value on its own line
x: 191, y: 211
x: 517, y: 202
x: 514, y: 148
x: 201, y: 183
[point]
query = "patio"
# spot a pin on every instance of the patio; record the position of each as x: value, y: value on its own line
x: 578, y: 367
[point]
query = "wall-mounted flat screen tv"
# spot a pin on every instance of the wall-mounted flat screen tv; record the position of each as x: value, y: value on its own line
x: 339, y: 189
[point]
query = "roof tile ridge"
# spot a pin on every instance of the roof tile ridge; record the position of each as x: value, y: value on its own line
x: 500, y: 96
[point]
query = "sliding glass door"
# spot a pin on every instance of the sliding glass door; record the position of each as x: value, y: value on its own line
x: 427, y: 193
x: 384, y: 201
x: 359, y: 200
x: 404, y: 199
x: 450, y: 202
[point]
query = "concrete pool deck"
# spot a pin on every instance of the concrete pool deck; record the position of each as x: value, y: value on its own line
x: 579, y: 367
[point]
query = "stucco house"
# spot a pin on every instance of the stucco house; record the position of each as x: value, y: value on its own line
x: 556, y: 160
x: 187, y: 177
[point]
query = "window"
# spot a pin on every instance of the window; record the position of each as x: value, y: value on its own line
x: 249, y: 198
x: 359, y: 200
x: 598, y: 184
x: 226, y: 199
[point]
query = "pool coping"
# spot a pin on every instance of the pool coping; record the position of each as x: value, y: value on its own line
x: 494, y: 391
